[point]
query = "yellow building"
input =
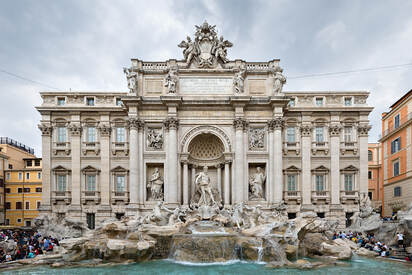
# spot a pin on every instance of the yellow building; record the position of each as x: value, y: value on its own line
x: 23, y: 189
x: 12, y: 155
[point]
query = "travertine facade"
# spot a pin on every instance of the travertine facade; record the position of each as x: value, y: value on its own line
x: 109, y: 154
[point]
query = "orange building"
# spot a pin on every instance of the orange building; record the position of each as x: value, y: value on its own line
x: 396, y: 155
x: 375, y: 186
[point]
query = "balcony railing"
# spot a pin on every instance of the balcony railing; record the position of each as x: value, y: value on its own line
x: 122, y: 196
x: 90, y: 196
x: 61, y: 196
x: 320, y: 197
x: 393, y: 127
x: 292, y: 196
x: 61, y: 146
x: 347, y: 196
x: 120, y: 147
x: 91, y: 146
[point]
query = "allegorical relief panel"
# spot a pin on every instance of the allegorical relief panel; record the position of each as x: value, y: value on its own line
x: 155, y: 138
x: 256, y: 139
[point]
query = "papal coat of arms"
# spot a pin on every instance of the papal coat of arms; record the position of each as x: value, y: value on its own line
x: 207, y: 49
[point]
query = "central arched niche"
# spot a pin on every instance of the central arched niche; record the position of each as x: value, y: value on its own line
x: 206, y: 149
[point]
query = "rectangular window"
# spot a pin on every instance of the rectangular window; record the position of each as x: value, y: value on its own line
x: 91, y: 134
x: 20, y: 176
x: 8, y: 205
x: 27, y: 176
x: 38, y: 189
x: 119, y: 102
x: 348, y: 134
x: 397, y: 191
x: 369, y: 174
x: 291, y: 134
x: 61, y: 183
x: 38, y: 204
x: 10, y: 166
x: 19, y: 205
x: 319, y: 134
x: 291, y: 182
x: 370, y: 195
x: 319, y: 101
x: 90, y: 218
x: 8, y: 190
x: 396, y: 168
x: 38, y: 175
x: 348, y: 182
x: 291, y: 102
x: 26, y: 190
x: 27, y: 205
x: 18, y: 220
x: 61, y: 101
x: 348, y: 101
x: 120, y: 184
x: 29, y: 163
x: 91, y: 183
x: 90, y: 101
x: 37, y: 162
x: 19, y: 190
x: 120, y: 134
x: 320, y: 182
x: 61, y: 134
x: 396, y: 145
x: 370, y: 155
x: 397, y: 121
x: 8, y: 176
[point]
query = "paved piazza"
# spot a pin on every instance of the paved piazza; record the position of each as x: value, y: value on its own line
x: 205, y: 126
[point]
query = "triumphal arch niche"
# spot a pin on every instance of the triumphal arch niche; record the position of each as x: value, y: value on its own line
x: 204, y: 132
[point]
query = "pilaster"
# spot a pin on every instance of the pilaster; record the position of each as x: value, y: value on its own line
x: 306, y: 134
x: 334, y: 133
x: 46, y: 132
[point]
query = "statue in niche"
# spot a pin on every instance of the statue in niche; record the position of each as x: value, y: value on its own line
x: 256, y: 138
x: 279, y: 80
x: 239, y: 80
x: 131, y: 79
x: 155, y: 185
x: 203, y: 183
x: 256, y: 184
x: 190, y: 50
x: 155, y: 139
x: 170, y: 80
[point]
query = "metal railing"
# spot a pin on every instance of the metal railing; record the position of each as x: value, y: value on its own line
x: 14, y: 143
x: 392, y: 128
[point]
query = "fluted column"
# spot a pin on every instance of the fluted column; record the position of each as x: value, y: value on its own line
x: 46, y: 132
x: 226, y: 193
x: 75, y: 130
x: 105, y: 131
x: 277, y: 124
x: 133, y: 124
x: 306, y: 134
x: 363, y: 130
x: 171, y: 188
x: 238, y: 186
x: 141, y: 180
x: 334, y: 132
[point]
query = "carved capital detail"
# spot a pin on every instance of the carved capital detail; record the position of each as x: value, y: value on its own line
x: 135, y: 123
x: 240, y: 123
x: 171, y: 123
x: 75, y: 129
x: 306, y: 130
x: 46, y: 130
x: 105, y: 129
x: 276, y: 124
x: 334, y: 130
x: 363, y: 130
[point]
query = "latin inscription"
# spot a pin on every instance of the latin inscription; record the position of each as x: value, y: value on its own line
x: 206, y: 85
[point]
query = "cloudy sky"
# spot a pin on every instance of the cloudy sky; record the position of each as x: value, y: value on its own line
x: 83, y: 45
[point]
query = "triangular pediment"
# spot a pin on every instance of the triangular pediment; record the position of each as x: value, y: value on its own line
x: 119, y: 169
x: 292, y: 168
x: 320, y: 168
x: 349, y: 168
x: 60, y: 168
x: 90, y: 168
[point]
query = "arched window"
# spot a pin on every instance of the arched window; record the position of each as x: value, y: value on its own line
x: 370, y: 155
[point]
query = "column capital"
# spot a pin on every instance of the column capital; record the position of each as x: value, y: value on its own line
x: 104, y: 129
x: 171, y: 123
x: 276, y: 124
x: 306, y: 130
x: 75, y: 129
x: 135, y: 123
x: 240, y: 123
x: 46, y: 130
x: 363, y: 130
x: 335, y: 129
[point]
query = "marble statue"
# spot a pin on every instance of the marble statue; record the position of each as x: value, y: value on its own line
x: 256, y: 138
x: 279, y: 80
x: 256, y: 215
x: 256, y: 184
x: 239, y: 81
x: 155, y: 139
x: 156, y: 185
x: 202, y: 182
x: 131, y: 79
x: 220, y: 49
x: 170, y: 80
x: 190, y: 50
x: 237, y: 215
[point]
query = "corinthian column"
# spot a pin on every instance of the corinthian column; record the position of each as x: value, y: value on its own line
x: 75, y: 130
x: 270, y: 179
x: 277, y: 124
x: 46, y: 132
x: 306, y: 134
x: 238, y: 186
x: 170, y: 187
x: 105, y: 131
x: 134, y: 124
x: 334, y: 132
x: 363, y: 130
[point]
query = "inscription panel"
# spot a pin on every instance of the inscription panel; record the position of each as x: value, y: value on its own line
x: 153, y: 86
x: 205, y: 85
x: 257, y: 86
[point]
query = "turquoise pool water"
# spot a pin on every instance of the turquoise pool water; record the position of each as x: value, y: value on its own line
x: 164, y: 267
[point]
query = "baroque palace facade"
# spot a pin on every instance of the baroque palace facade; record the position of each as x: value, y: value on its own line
x: 114, y: 154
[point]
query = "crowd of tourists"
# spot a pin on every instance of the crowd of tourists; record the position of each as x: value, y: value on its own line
x: 367, y: 241
x: 28, y: 245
